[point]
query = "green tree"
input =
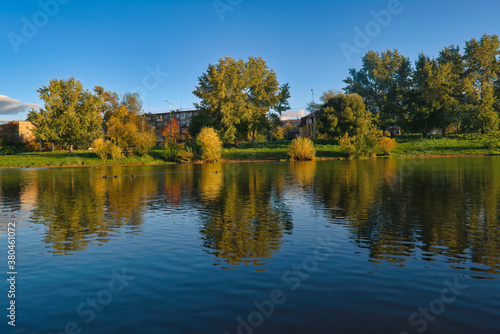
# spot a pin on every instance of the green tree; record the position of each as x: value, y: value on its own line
x: 433, y: 101
x: 236, y: 97
x: 482, y: 71
x: 71, y: 116
x: 384, y: 82
x: 455, y: 114
x: 342, y: 114
x: 125, y: 126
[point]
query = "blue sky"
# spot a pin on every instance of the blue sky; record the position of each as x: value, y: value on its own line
x: 160, y: 48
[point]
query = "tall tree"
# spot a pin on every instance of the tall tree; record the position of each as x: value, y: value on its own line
x: 70, y: 116
x: 456, y: 113
x: 482, y: 71
x: 384, y: 82
x: 433, y: 102
x: 237, y: 96
x: 171, y: 131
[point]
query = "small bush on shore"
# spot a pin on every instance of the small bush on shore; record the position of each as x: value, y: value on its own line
x: 106, y: 149
x: 101, y: 148
x: 361, y: 146
x: 116, y: 152
x: 210, y: 145
x: 144, y: 142
x: 186, y: 154
x: 387, y: 144
x: 171, y: 151
x: 302, y: 149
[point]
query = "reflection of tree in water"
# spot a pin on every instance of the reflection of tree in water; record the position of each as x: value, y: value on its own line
x: 17, y: 195
x: 13, y: 185
x: 79, y: 207
x: 243, y: 218
x: 398, y: 208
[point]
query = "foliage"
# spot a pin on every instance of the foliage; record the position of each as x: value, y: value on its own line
x: 145, y: 141
x: 341, y: 114
x: 116, y: 152
x: 279, y: 133
x: 70, y: 115
x: 106, y: 149
x: 171, y: 131
x: 210, y: 145
x: 347, y: 144
x: 236, y: 97
x: 482, y: 69
x: 387, y: 144
x: 102, y: 148
x: 203, y: 118
x: 361, y: 146
x: 491, y: 144
x: 302, y: 149
x: 186, y: 153
x: 171, y: 151
x: 451, y: 92
x: 434, y: 98
x: 123, y: 127
x: 383, y: 82
x: 123, y: 123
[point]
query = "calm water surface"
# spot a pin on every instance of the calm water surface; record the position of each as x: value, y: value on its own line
x: 382, y: 246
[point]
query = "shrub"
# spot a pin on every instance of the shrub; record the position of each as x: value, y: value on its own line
x: 361, y: 146
x: 301, y: 149
x: 387, y: 144
x: 171, y: 151
x: 115, y: 152
x: 8, y: 150
x: 106, y: 149
x: 347, y: 145
x: 101, y: 148
x: 210, y: 144
x: 144, y: 142
x: 186, y: 154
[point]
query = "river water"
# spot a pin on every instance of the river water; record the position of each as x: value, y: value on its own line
x: 365, y: 246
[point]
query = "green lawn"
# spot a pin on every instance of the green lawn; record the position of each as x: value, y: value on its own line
x: 63, y: 158
x: 468, y: 144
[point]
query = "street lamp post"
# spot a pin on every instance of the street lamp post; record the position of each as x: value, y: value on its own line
x: 170, y: 118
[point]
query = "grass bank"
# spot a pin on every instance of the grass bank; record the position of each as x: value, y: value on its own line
x: 76, y: 159
x: 408, y: 146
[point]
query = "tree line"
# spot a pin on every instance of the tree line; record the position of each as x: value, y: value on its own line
x: 74, y: 116
x: 458, y: 90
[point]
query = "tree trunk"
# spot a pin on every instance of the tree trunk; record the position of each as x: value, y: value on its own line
x: 443, y: 131
x: 424, y: 134
x: 70, y: 148
x: 52, y: 147
x: 253, y: 137
x: 483, y: 130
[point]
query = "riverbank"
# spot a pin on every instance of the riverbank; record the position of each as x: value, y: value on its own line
x: 408, y: 147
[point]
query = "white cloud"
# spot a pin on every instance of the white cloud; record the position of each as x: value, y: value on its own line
x: 10, y: 106
x: 293, y: 114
